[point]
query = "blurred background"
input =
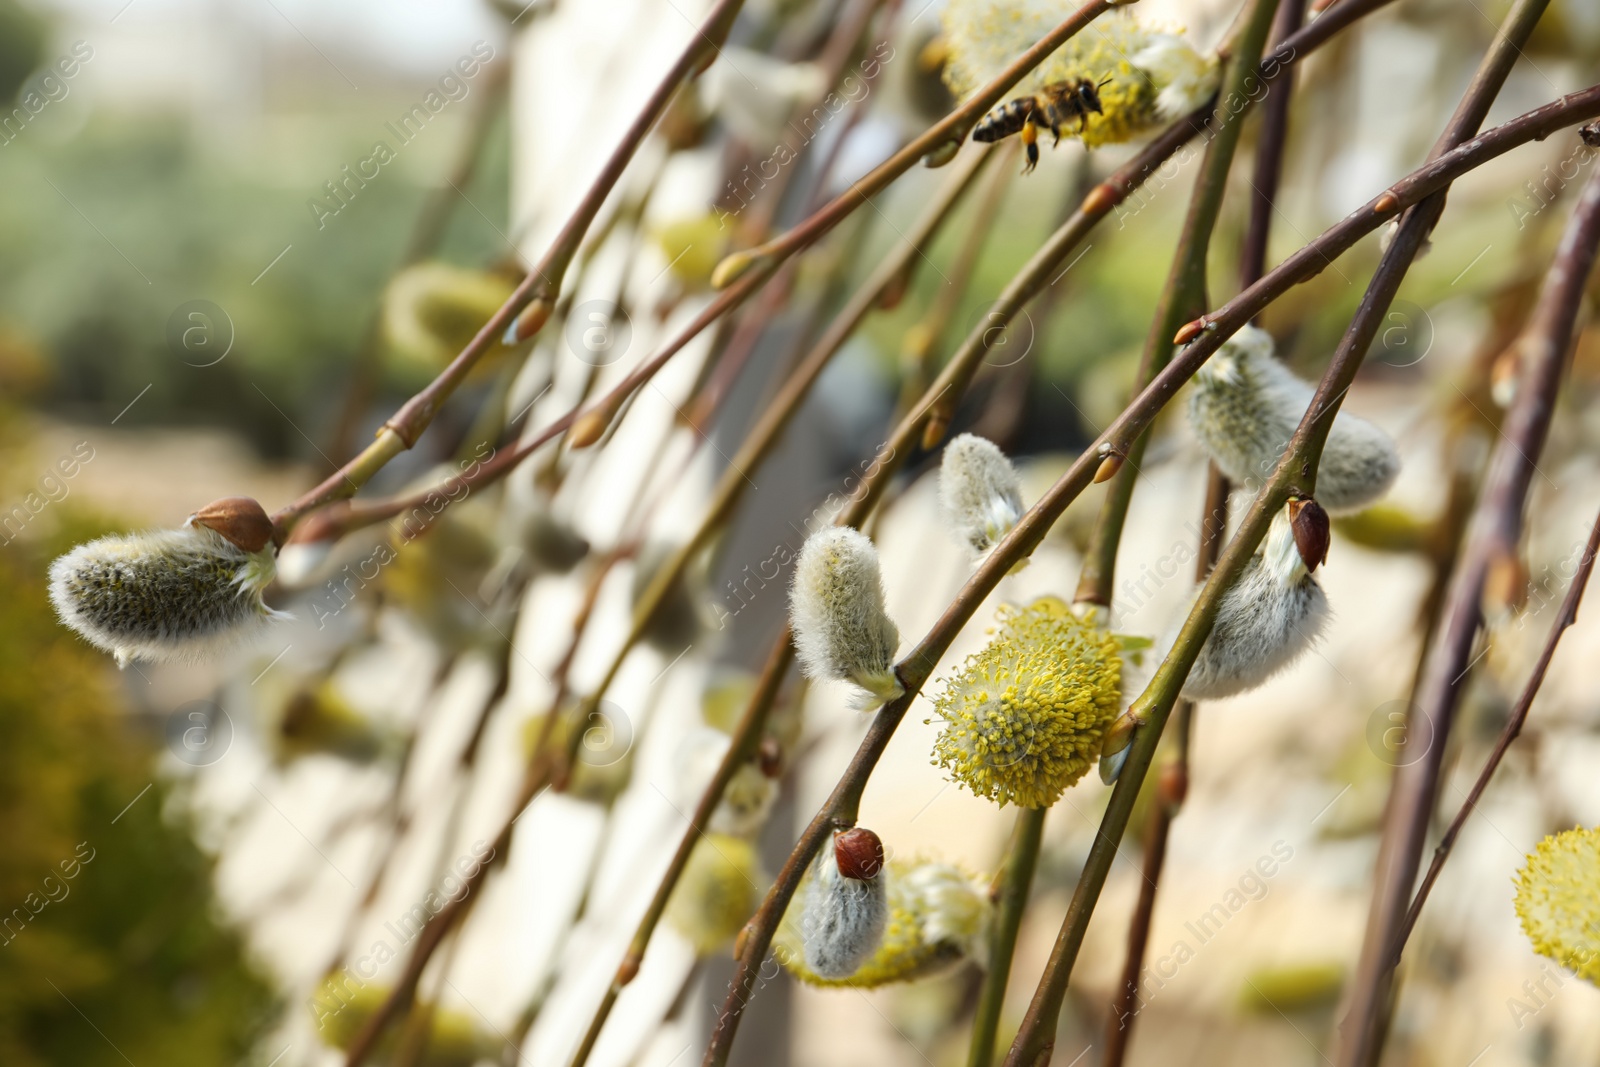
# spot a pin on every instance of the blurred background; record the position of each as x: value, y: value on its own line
x: 237, y: 234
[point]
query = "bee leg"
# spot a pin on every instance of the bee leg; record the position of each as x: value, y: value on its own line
x: 1057, y: 131
x: 1030, y: 143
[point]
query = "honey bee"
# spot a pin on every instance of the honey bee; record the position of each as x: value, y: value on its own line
x: 1050, y: 107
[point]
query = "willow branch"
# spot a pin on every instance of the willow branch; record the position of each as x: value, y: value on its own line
x: 842, y: 803
x: 1519, y: 715
x: 1173, y: 785
x: 775, y: 418
x: 428, y: 230
x: 1412, y: 796
x: 944, y: 136
x: 542, y: 284
x: 1491, y: 542
x: 1184, y: 295
x: 1177, y: 136
x: 1294, y: 475
x: 1100, y: 201
x: 1016, y: 882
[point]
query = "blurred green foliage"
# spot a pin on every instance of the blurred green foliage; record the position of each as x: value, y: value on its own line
x: 117, y: 952
x: 108, y: 232
x: 22, y: 35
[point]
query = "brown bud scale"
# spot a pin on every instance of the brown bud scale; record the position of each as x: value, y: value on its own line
x: 1189, y: 331
x: 859, y: 853
x: 1312, y: 533
x: 239, y: 519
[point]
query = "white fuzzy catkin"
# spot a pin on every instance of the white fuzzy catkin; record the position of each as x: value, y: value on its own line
x: 168, y: 594
x: 1247, y: 404
x: 844, y: 918
x: 836, y: 610
x: 979, y: 491
x: 1186, y: 78
x: 1271, y: 616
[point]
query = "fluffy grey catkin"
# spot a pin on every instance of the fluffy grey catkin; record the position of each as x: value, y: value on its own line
x: 1271, y: 616
x: 979, y: 491
x: 1247, y: 404
x: 844, y: 917
x: 841, y: 629
x: 168, y: 594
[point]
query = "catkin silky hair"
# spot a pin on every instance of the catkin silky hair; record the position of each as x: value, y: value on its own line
x: 847, y: 906
x: 171, y: 594
x: 841, y: 629
x: 979, y: 492
x: 1272, y: 615
x: 1247, y: 405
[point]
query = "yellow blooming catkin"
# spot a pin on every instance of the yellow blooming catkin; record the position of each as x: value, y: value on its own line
x: 1153, y: 75
x: 1025, y: 717
x: 1558, y: 900
x: 717, y: 893
x: 938, y: 916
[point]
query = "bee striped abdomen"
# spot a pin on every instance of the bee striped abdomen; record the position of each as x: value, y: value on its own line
x: 1005, y: 120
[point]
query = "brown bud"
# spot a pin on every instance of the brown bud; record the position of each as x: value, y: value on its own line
x: 1319, y: 6
x: 1189, y: 331
x: 531, y: 321
x: 896, y: 290
x: 1120, y: 736
x: 1109, y: 466
x: 1101, y: 199
x: 626, y: 971
x: 934, y: 429
x: 859, y: 854
x: 238, y: 518
x: 1173, y: 785
x: 1505, y: 584
x: 769, y: 757
x: 1385, y: 203
x: 1590, y: 133
x: 1311, y: 531
x: 589, y: 427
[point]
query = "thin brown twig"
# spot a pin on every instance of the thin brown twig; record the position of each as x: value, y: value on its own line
x: 1412, y: 796
x: 841, y: 805
x: 1100, y: 201
x: 1491, y: 542
x: 542, y: 285
x: 428, y: 230
x: 1295, y: 474
x: 944, y: 136
x: 1183, y: 296
x: 1519, y: 715
x: 1173, y: 785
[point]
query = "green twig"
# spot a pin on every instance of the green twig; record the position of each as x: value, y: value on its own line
x: 1016, y: 881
